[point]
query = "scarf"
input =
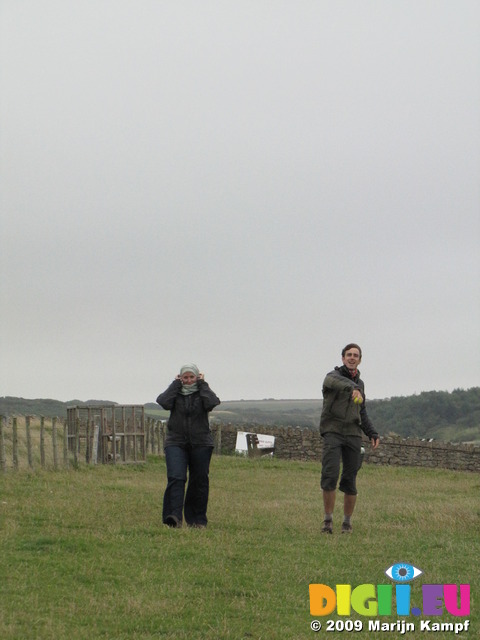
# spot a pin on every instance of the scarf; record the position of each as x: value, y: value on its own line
x: 346, y: 372
x: 188, y: 389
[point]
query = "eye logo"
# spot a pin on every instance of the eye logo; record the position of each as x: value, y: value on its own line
x: 403, y: 572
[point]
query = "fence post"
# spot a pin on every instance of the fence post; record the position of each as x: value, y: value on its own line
x: 96, y: 431
x: 76, y: 441
x: 54, y: 443
x: 218, y: 440
x: 156, y: 437
x: 29, y: 442
x: 163, y: 433
x: 142, y: 426
x: 147, y: 434
x: 87, y: 442
x: 15, y: 443
x: 151, y: 430
x: 135, y: 439
x: 3, y: 459
x: 42, y: 441
x: 65, y: 445
x: 114, y: 442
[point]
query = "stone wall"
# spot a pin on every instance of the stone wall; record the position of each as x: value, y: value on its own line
x: 295, y: 443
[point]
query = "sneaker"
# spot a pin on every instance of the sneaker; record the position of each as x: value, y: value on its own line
x: 346, y: 527
x: 327, y: 526
x: 173, y: 521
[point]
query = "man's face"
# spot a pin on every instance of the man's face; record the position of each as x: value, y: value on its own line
x: 351, y: 359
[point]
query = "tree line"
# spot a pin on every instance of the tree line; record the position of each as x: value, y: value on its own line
x: 448, y: 416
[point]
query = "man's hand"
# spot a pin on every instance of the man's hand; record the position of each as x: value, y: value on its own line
x: 375, y: 442
x: 357, y: 395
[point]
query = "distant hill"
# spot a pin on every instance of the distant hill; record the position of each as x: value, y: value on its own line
x: 42, y: 407
x: 296, y: 413
x: 441, y: 415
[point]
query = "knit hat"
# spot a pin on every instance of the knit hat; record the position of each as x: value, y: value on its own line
x: 190, y: 367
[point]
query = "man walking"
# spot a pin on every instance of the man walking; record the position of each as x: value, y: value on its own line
x: 344, y: 418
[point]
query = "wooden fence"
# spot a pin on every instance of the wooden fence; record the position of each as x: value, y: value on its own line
x: 29, y: 442
x: 107, y: 433
x: 32, y: 442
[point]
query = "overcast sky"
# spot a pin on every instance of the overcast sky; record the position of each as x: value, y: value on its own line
x: 243, y: 184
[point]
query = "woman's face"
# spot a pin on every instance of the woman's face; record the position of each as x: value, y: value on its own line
x: 188, y: 378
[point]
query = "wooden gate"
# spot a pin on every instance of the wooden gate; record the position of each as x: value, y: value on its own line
x: 107, y: 434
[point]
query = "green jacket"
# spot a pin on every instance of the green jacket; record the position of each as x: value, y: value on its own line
x: 339, y: 413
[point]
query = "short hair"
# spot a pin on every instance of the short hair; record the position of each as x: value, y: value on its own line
x: 351, y: 345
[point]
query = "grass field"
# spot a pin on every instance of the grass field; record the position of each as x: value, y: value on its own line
x: 84, y: 554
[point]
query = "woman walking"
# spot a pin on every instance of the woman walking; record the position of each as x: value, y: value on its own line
x: 188, y: 447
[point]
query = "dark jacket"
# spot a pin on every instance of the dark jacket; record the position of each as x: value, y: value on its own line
x: 339, y: 413
x: 188, y: 423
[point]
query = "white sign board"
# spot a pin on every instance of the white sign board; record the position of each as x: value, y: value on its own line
x: 254, y: 445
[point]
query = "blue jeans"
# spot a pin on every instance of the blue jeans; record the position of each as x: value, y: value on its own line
x: 194, y: 503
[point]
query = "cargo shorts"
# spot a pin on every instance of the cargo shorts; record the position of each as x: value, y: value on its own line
x: 345, y: 449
